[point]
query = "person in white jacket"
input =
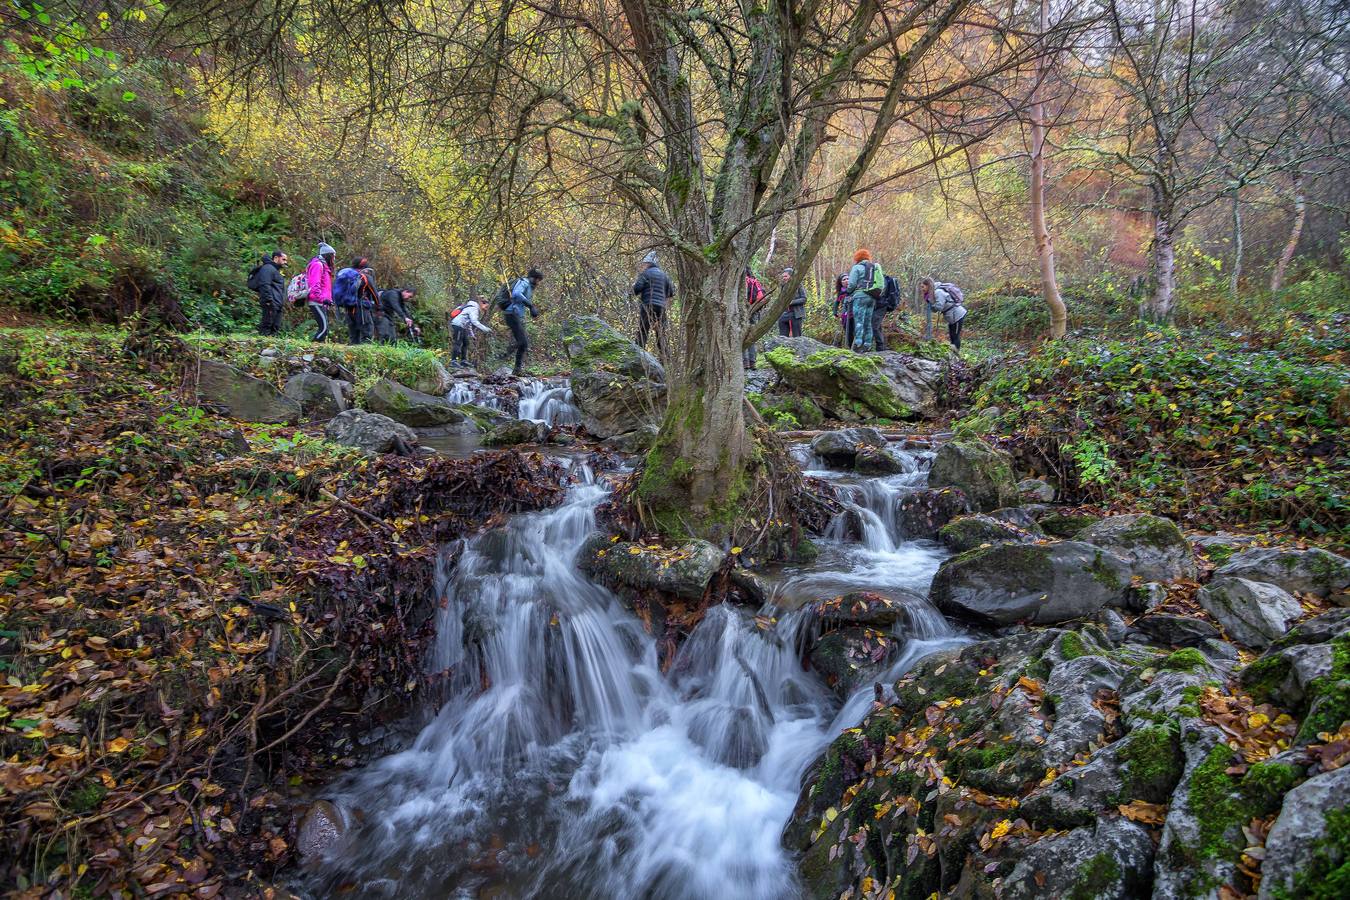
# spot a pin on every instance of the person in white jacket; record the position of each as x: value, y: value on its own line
x: 461, y: 330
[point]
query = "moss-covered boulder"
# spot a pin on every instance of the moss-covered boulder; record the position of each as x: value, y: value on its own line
x: 1252, y: 612
x: 684, y: 572
x: 516, y: 431
x: 1297, y: 571
x: 1154, y: 547
x: 921, y: 514
x: 403, y: 404
x: 1066, y: 525
x: 840, y: 448
x: 1110, y: 859
x: 969, y: 532
x: 849, y: 658
x: 846, y: 385
x: 786, y: 411
x: 613, y: 404
x: 319, y: 396
x: 1042, y: 584
x: 593, y: 345
x: 242, y: 396
x: 983, y: 474
x: 1308, y: 847
x: 867, y: 608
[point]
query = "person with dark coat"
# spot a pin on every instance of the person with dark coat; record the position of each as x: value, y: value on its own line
x: 790, y: 322
x: 654, y: 291
x: 521, y: 299
x: 361, y: 314
x: 392, y: 314
x: 271, y: 287
x: 843, y: 308
x: 889, y: 302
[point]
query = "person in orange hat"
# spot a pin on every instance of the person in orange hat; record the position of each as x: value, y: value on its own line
x: 862, y: 286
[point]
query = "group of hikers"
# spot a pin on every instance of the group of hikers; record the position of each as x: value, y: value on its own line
x: 864, y: 295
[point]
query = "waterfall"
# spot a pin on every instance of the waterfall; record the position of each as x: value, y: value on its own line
x: 564, y: 762
x: 550, y: 403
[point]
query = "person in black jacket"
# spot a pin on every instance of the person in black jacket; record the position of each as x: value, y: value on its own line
x: 271, y: 287
x: 392, y: 314
x: 888, y: 303
x: 654, y: 290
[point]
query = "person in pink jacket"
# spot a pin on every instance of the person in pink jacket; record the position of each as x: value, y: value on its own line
x: 319, y: 277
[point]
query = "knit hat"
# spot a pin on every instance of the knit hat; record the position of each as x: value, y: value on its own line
x: 326, y: 250
x: 649, y: 259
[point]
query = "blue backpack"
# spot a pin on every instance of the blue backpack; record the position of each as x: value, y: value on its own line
x: 344, y: 287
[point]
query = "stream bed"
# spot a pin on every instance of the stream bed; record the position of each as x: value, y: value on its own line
x: 564, y: 762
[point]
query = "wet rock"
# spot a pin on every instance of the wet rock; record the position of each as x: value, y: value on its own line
x: 411, y: 407
x: 1308, y: 847
x: 969, y: 532
x: 516, y: 431
x: 639, y: 440
x: 1073, y: 686
x: 1176, y: 631
x: 1296, y: 571
x: 919, y: 515
x: 369, y: 431
x: 1111, y: 859
x: 1042, y: 584
x: 877, y: 461
x: 1020, y: 517
x: 1252, y: 612
x: 322, y: 826
x: 852, y: 657
x: 1286, y: 676
x: 319, y: 396
x: 983, y: 474
x: 840, y: 448
x: 684, y: 572
x: 863, y: 608
x: 613, y: 404
x: 593, y: 345
x: 847, y: 385
x: 1037, y: 490
x: 243, y: 396
x: 731, y: 735
x: 1154, y: 547
x: 1177, y: 681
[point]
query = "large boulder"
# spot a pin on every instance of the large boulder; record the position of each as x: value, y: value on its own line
x: 243, y: 396
x: 403, y: 404
x: 516, y: 431
x: 1043, y: 584
x: 840, y: 448
x: 1297, y: 571
x: 982, y: 473
x: 1112, y: 858
x: 369, y: 431
x: 593, y: 345
x: 921, y: 514
x: 866, y: 608
x: 853, y: 657
x: 969, y: 532
x: 319, y: 396
x: 613, y: 404
x: 1308, y: 847
x: 877, y: 461
x: 684, y: 572
x: 433, y: 378
x: 1154, y: 547
x: 1252, y: 612
x: 917, y: 381
x: 845, y: 384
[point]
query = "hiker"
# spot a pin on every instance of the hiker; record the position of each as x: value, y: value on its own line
x: 889, y: 302
x: 791, y: 319
x: 392, y: 312
x: 947, y: 299
x: 866, y: 283
x: 754, y: 302
x: 518, y: 299
x: 367, y: 305
x: 267, y: 280
x: 654, y: 290
x: 345, y: 284
x: 843, y: 309
x: 319, y: 281
x: 463, y: 320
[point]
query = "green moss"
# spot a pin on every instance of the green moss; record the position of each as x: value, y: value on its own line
x: 1151, y: 763
x: 1187, y: 660
x: 1071, y: 646
x: 1066, y: 526
x: 1264, y: 785
x: 1264, y: 675
x: 1223, y: 803
x: 1152, y: 531
x: 87, y: 795
x: 1106, y: 576
x: 981, y: 758
x: 1220, y: 553
x: 1326, y: 876
x: 1096, y: 878
x: 848, y: 376
x: 1329, y: 709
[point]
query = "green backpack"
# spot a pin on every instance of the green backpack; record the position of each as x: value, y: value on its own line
x: 873, y: 282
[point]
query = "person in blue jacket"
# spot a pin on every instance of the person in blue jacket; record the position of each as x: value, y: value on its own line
x: 522, y: 299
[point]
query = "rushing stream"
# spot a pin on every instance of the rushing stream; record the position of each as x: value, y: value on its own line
x: 564, y: 763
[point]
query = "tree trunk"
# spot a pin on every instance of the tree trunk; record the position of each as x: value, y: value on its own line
x: 1237, y: 243
x: 1045, y: 248
x: 1300, y: 213
x: 1165, y: 265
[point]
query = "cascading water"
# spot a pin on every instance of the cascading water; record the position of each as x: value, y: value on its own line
x: 565, y: 763
x: 550, y: 403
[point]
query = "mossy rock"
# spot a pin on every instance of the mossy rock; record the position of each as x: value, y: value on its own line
x: 970, y: 532
x: 593, y: 345
x: 1066, y: 525
x: 843, y: 383
x: 403, y: 404
x: 1154, y: 547
x: 983, y: 474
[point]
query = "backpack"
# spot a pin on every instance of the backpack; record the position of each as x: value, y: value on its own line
x: 755, y: 290
x: 953, y: 290
x: 891, y: 298
x: 344, y: 287
x: 503, y: 298
x: 454, y: 313
x: 298, y: 291
x: 873, y: 281
x: 253, y: 282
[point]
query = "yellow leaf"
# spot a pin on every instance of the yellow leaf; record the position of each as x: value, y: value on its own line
x: 118, y: 745
x: 1001, y: 829
x: 1256, y: 720
x: 735, y: 551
